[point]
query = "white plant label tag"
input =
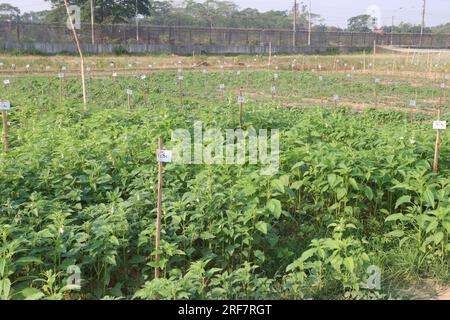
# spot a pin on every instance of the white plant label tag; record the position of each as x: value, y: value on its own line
x: 238, y: 73
x: 5, y: 105
x: 222, y: 86
x: 241, y: 99
x: 273, y: 89
x: 320, y: 78
x: 412, y: 103
x: 276, y: 76
x: 181, y: 78
x: 27, y: 66
x: 335, y: 97
x: 130, y: 65
x: 442, y: 85
x: 129, y: 92
x: 143, y: 77
x: 164, y: 156
x: 61, y: 75
x: 114, y: 74
x: 440, y: 125
x: 63, y: 68
x: 377, y: 80
x: 6, y: 82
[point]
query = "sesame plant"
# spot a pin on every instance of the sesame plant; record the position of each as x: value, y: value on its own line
x: 355, y: 188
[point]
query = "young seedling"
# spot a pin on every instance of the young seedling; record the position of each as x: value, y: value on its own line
x: 4, y: 107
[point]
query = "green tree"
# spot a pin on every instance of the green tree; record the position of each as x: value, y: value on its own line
x: 360, y: 23
x: 9, y: 12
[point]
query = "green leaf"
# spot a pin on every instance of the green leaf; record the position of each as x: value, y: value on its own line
x: 332, y: 180
x: 349, y: 264
x: 341, y: 193
x: 260, y: 255
x: 261, y: 226
x: 395, y: 234
x: 402, y: 200
x: 368, y: 192
x: 353, y: 183
x: 274, y: 206
x: 28, y: 260
x: 429, y: 197
x: 207, y: 236
x: 395, y: 217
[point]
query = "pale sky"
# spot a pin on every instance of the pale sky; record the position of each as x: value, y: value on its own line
x: 334, y: 12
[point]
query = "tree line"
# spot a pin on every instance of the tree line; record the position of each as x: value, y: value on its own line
x: 209, y: 13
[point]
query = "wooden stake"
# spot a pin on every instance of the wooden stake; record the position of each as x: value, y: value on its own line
x: 181, y: 91
x: 364, y: 63
x: 436, y: 146
x: 129, y: 102
x: 241, y: 110
x: 5, y: 131
x: 158, y: 211
x: 83, y: 82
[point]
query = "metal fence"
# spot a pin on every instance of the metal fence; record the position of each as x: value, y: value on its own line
x: 14, y: 32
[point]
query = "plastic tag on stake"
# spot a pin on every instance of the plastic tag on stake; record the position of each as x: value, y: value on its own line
x: 276, y: 75
x: 412, y: 103
x: 180, y: 77
x: 273, y: 89
x: 129, y: 92
x: 377, y: 80
x: 27, y: 66
x: 143, y: 77
x: 5, y: 105
x: 114, y: 74
x: 335, y: 97
x: 320, y: 78
x: 238, y: 73
x: 222, y: 86
x: 442, y: 85
x: 6, y: 82
x: 63, y: 68
x: 241, y: 99
x: 164, y: 156
x: 439, y: 125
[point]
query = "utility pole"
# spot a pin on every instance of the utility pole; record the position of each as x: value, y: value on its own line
x: 392, y: 32
x: 294, y: 37
x: 422, y: 28
x: 137, y: 22
x: 309, y: 24
x: 92, y: 22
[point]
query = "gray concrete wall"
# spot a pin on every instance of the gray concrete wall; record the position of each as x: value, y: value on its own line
x: 55, y: 48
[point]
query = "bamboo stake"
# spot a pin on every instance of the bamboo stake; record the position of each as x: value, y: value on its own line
x: 83, y: 83
x: 436, y: 146
x: 241, y: 110
x: 5, y: 131
x: 158, y: 211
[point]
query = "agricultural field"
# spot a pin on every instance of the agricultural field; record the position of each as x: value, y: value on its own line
x: 354, y: 211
